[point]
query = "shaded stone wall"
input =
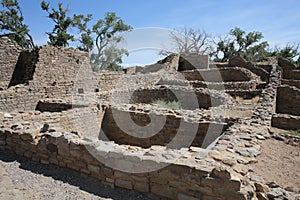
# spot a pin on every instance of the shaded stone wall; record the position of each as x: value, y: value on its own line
x: 288, y: 100
x: 173, y: 126
x: 187, y: 98
x: 25, y: 67
x: 191, y: 62
x: 260, y: 71
x: 295, y: 83
x: 288, y: 69
x: 218, y: 75
x: 9, y: 53
x: 284, y: 121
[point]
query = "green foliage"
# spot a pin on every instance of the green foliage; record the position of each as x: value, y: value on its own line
x: 290, y: 52
x: 11, y: 24
x: 247, y: 46
x: 86, y: 40
x: 103, y: 36
x: 110, y: 59
x: 167, y: 104
x: 59, y: 35
x: 293, y: 133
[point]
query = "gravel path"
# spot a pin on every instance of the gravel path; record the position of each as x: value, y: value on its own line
x: 21, y: 178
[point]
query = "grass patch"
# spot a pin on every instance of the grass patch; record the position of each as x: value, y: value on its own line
x: 167, y: 104
x: 293, y: 133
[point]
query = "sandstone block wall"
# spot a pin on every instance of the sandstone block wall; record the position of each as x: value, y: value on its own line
x: 18, y: 98
x: 284, y: 121
x: 9, y: 54
x: 179, y: 180
x: 288, y: 100
x: 187, y: 98
x: 191, y: 62
x: 261, y: 71
x: 173, y: 126
x: 218, y: 75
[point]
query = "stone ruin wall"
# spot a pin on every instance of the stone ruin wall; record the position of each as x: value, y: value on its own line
x: 9, y: 53
x: 220, y: 173
x: 287, y: 113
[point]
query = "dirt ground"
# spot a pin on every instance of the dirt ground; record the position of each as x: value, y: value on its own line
x: 279, y: 162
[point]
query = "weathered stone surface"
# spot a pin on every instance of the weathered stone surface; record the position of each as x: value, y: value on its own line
x: 261, y: 187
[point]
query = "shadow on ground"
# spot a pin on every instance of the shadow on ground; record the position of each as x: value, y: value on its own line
x: 83, y: 182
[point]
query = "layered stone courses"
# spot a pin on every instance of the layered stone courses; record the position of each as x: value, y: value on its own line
x: 54, y: 114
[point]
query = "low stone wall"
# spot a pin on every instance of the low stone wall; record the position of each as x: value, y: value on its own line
x: 182, y: 178
x: 250, y: 85
x: 174, y: 125
x: 188, y: 98
x: 289, y: 70
x: 284, y: 121
x: 9, y: 54
x: 237, y: 61
x: 295, y: 83
x: 191, y: 62
x: 288, y: 100
x: 218, y: 75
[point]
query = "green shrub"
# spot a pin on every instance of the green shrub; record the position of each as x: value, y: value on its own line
x: 167, y: 104
x: 293, y: 133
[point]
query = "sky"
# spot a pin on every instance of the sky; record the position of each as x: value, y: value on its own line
x: 278, y: 20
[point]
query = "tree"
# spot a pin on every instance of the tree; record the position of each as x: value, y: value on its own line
x: 12, y: 25
x: 59, y: 35
x: 110, y: 59
x: 290, y: 52
x: 104, y: 37
x: 189, y: 41
x: 237, y: 42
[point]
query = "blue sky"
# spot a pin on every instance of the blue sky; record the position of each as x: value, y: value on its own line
x: 278, y: 20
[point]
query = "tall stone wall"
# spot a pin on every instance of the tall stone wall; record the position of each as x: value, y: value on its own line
x: 9, y: 54
x: 60, y: 71
x: 25, y: 67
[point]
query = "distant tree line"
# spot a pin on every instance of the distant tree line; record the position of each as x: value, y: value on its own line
x: 237, y: 42
x: 99, y: 39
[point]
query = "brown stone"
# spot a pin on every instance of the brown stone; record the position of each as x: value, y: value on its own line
x: 124, y: 184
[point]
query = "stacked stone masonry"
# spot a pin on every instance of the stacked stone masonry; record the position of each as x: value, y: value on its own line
x: 54, y: 109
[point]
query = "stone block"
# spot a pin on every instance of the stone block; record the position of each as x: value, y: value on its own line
x: 141, y: 187
x: 124, y: 184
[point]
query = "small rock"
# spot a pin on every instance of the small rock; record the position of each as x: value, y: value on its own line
x: 278, y: 137
x: 277, y: 193
x: 244, y: 137
x: 7, y: 115
x: 261, y: 196
x: 257, y: 179
x: 242, y: 169
x: 273, y: 184
x: 260, y: 137
x: 260, y: 187
x: 44, y: 128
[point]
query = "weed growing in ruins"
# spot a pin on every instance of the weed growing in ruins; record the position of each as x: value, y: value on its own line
x: 167, y: 104
x: 293, y: 133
